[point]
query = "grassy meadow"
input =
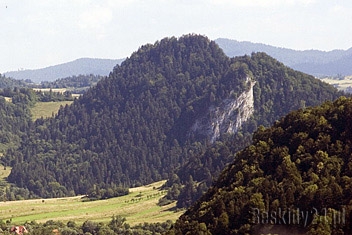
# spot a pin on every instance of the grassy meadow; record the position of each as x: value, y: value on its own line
x: 138, y: 207
x: 46, y: 109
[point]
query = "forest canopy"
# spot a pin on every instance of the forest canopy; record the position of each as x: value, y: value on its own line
x: 301, y: 163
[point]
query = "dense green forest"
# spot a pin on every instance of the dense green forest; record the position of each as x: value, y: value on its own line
x: 278, y: 91
x: 7, y: 82
x: 302, y: 163
x: 14, y: 116
x: 133, y: 127
x: 15, y: 122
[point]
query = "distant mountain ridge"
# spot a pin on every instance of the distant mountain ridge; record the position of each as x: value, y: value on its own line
x: 80, y: 66
x: 314, y: 62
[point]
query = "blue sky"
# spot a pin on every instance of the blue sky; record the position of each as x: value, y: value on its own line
x: 40, y: 33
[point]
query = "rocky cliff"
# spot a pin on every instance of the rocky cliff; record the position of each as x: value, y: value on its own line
x: 228, y: 117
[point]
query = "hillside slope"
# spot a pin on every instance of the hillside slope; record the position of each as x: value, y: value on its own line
x: 315, y: 62
x: 15, y: 117
x: 74, y: 68
x: 294, y: 179
x: 122, y: 131
x: 277, y: 91
x: 140, y: 124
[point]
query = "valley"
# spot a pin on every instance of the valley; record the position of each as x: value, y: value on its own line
x: 140, y: 206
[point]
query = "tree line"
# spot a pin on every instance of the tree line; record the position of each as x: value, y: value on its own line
x: 117, y: 225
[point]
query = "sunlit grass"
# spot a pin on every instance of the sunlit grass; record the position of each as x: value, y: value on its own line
x: 72, y: 208
x: 47, y: 109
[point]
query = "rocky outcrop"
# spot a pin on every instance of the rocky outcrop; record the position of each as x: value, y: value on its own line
x: 228, y: 117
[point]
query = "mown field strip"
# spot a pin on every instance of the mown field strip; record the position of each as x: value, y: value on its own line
x: 135, y: 208
x: 46, y: 109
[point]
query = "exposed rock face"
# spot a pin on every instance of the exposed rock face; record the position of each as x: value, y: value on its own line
x: 227, y: 117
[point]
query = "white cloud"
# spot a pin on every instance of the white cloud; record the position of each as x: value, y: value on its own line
x: 119, y: 3
x: 262, y: 3
x: 339, y: 10
x: 95, y: 17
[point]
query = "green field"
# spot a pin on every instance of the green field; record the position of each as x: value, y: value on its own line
x: 46, y: 109
x: 138, y: 207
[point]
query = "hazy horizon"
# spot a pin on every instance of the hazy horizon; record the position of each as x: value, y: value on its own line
x: 38, y: 34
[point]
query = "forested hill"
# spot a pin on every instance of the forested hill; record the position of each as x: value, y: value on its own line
x: 300, y: 166
x: 130, y: 128
x: 142, y: 122
x: 277, y: 91
x: 6, y: 82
